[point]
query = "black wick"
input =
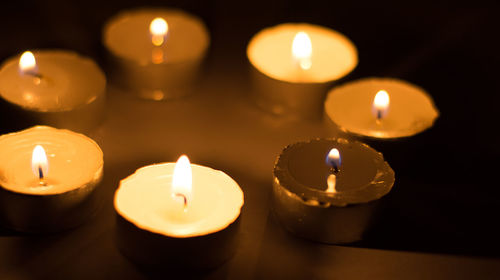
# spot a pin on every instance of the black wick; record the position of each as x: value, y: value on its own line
x: 334, y: 169
x: 40, y: 173
x: 41, y: 176
x: 183, y: 197
x: 33, y: 73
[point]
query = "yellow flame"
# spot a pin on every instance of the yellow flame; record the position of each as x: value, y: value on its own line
x: 302, y: 50
x: 39, y: 162
x: 158, y: 29
x: 381, y: 103
x: 182, y: 180
x: 334, y: 154
x: 27, y: 62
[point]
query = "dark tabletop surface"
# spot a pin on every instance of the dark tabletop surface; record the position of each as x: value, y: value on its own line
x: 441, y: 219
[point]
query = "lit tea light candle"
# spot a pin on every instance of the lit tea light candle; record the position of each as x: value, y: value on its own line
x: 388, y: 114
x: 380, y: 108
x: 294, y: 66
x: 54, y: 87
x: 157, y: 52
x: 332, y: 201
x: 174, y: 213
x: 59, y: 190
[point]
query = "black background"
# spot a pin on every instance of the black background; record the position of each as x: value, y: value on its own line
x: 445, y: 203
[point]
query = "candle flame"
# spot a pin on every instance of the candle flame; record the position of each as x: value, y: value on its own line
x: 27, y: 63
x: 39, y: 162
x: 182, y: 180
x: 302, y: 50
x: 381, y: 104
x: 158, y: 29
x: 333, y: 159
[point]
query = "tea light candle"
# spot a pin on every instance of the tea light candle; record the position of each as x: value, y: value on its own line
x: 50, y: 179
x: 156, y: 53
x: 294, y: 64
x: 326, y: 189
x: 54, y: 87
x: 388, y: 114
x: 178, y: 214
x: 380, y: 108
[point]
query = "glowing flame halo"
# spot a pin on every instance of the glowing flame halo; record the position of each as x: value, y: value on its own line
x: 381, y: 104
x: 158, y: 29
x: 39, y: 162
x: 302, y: 50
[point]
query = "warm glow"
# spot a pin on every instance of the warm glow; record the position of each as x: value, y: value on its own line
x: 158, y: 29
x: 333, y: 159
x: 157, y: 56
x: 182, y: 180
x: 27, y: 62
x: 381, y: 104
x: 39, y: 162
x: 331, y: 183
x: 302, y: 50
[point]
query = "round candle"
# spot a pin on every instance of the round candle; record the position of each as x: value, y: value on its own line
x: 381, y: 108
x: 54, y: 87
x: 295, y: 63
x: 157, y: 52
x: 49, y: 182
x: 166, y: 219
x: 325, y: 189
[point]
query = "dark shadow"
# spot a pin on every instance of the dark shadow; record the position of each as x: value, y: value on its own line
x: 434, y: 218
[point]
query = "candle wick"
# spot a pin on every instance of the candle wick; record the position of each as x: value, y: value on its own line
x: 184, y: 198
x: 41, y: 176
x: 32, y: 72
x: 37, y: 78
x: 40, y: 173
x: 379, y: 117
x: 35, y: 75
x: 334, y: 169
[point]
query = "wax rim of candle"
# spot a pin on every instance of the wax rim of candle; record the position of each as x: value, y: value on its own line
x: 164, y: 13
x: 379, y: 186
x: 148, y: 227
x: 424, y: 122
x: 298, y: 26
x: 95, y: 176
x: 93, y: 70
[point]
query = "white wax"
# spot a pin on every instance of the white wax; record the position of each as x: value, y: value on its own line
x: 127, y: 36
x: 68, y: 81
x: 74, y: 161
x: 145, y: 199
x: 411, y: 109
x: 333, y: 54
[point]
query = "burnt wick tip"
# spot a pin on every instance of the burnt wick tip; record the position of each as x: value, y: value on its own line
x: 40, y: 173
x: 184, y: 198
